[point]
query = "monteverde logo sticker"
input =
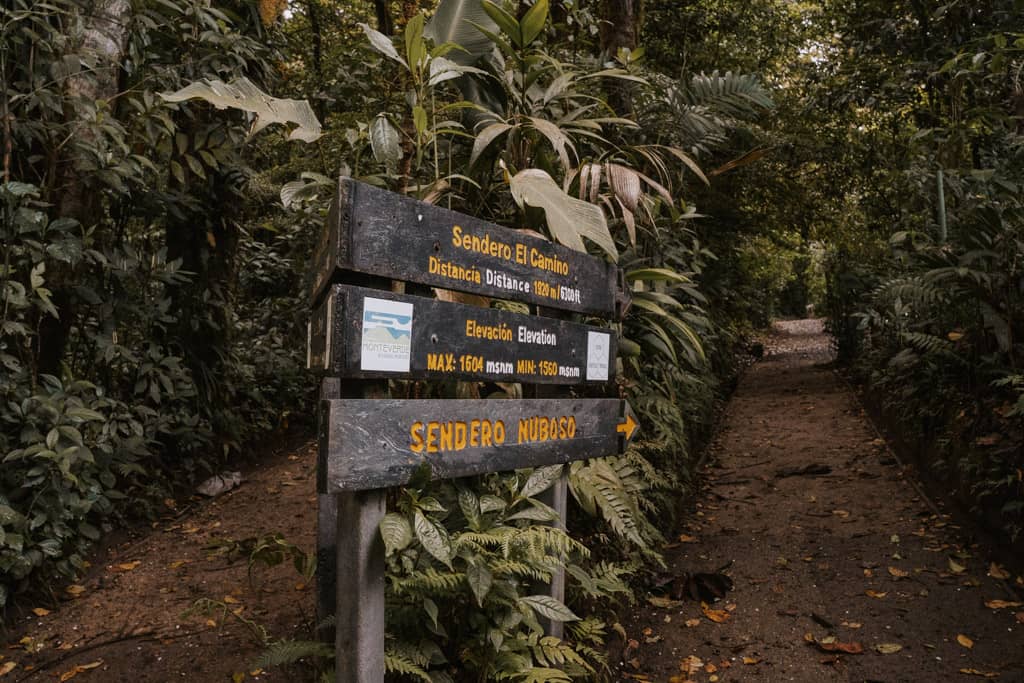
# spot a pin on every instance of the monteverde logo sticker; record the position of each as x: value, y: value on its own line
x: 387, y: 335
x: 598, y: 352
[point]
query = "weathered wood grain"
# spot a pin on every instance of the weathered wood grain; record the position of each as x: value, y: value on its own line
x: 452, y: 341
x: 369, y: 444
x: 373, y: 231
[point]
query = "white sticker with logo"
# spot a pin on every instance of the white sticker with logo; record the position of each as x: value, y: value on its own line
x: 598, y: 350
x: 387, y: 335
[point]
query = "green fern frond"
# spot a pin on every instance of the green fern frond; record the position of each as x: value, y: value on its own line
x: 291, y: 651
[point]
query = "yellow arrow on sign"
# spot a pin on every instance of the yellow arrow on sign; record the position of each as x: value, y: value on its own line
x: 627, y: 428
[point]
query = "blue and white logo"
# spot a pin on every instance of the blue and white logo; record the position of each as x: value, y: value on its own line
x: 387, y: 335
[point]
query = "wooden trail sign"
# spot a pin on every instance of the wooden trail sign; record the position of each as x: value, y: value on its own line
x: 384, y: 234
x: 368, y: 444
x: 364, y: 333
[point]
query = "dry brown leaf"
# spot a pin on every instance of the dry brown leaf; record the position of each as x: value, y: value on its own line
x: 719, y: 616
x: 710, y: 668
x: 956, y: 567
x: 691, y: 665
x: 1000, y: 604
x: 690, y: 623
x: 230, y: 600
x: 876, y: 594
x: 664, y: 603
x: 177, y: 563
x: 190, y: 530
x: 976, y: 672
x: 853, y: 648
x: 40, y: 611
x: 75, y: 590
x: 997, y: 572
x: 841, y: 513
x: 750, y: 661
x: 79, y: 668
x: 851, y: 624
x: 686, y: 538
x: 868, y: 573
x: 888, y: 648
x: 964, y: 640
x: 128, y: 566
x: 7, y: 667
x: 898, y: 573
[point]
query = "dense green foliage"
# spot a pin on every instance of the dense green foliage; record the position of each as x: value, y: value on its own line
x: 925, y: 287
x: 739, y: 160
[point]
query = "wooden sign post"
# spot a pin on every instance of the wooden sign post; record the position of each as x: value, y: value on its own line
x: 366, y: 336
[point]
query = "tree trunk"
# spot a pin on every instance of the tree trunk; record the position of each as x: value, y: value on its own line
x: 619, y: 30
x: 103, y: 36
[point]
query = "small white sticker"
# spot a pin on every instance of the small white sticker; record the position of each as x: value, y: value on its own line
x: 387, y: 335
x: 598, y: 349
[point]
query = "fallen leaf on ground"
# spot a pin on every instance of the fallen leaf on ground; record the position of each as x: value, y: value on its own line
x: 190, y: 530
x: 841, y: 513
x: 965, y: 641
x: 898, y: 573
x: 691, y: 664
x: 686, y: 538
x: 128, y: 566
x: 956, y: 567
x: 710, y: 668
x: 80, y: 668
x: 888, y: 648
x: 238, y: 677
x: 876, y: 594
x: 40, y: 611
x: 1000, y: 604
x: 230, y: 600
x: 853, y: 648
x: 851, y: 624
x: 975, y: 672
x: 7, y: 668
x: 750, y: 661
x: 75, y: 589
x: 718, y: 616
x: 664, y: 603
x: 997, y: 572
x: 690, y: 623
x: 177, y: 563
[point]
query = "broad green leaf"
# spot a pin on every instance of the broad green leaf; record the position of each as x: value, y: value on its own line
x: 533, y: 22
x: 484, y: 139
x: 568, y: 218
x: 385, y: 142
x: 540, y: 479
x: 505, y: 21
x: 480, y: 579
x: 557, y: 137
x: 415, y: 50
x: 453, y: 22
x: 383, y: 44
x: 396, y: 532
x: 655, y: 275
x: 419, y: 119
x: 433, y: 537
x: 243, y: 94
x: 548, y: 607
x: 470, y: 506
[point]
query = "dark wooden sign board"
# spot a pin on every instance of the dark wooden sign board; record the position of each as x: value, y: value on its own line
x: 371, y: 444
x: 366, y: 333
x: 369, y: 336
x: 380, y: 233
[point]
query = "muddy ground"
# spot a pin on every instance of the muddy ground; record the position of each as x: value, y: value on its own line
x: 840, y: 569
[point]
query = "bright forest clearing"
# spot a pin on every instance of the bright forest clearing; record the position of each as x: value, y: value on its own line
x: 167, y: 168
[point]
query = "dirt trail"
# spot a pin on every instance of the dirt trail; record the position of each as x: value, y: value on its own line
x: 823, y: 535
x: 804, y: 547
